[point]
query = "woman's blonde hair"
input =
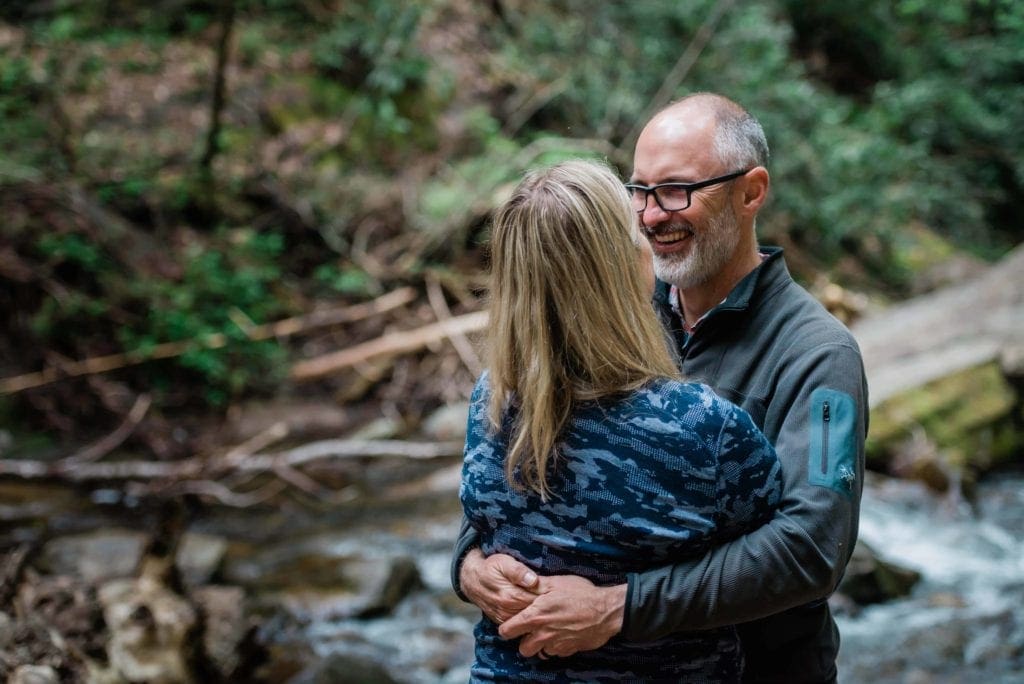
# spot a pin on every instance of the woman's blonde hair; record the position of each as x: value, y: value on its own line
x: 570, y: 315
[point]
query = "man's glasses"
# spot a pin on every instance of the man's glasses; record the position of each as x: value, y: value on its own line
x: 673, y: 196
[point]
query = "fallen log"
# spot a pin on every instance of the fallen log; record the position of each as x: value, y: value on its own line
x: 941, y: 333
x: 212, y: 468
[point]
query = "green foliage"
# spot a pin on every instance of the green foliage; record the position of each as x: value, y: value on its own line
x: 373, y: 119
x: 371, y: 50
x: 222, y: 291
x: 347, y: 280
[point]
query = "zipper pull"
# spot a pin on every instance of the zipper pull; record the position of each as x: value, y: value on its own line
x: 826, y: 412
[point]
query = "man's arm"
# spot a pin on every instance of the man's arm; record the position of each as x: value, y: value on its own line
x: 800, y: 555
x: 797, y: 557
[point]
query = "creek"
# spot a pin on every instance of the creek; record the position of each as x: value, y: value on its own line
x: 302, y: 565
x: 963, y: 622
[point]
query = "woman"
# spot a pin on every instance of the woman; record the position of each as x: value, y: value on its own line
x: 585, y: 453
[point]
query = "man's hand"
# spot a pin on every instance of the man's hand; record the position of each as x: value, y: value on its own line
x: 499, y: 585
x: 571, y: 614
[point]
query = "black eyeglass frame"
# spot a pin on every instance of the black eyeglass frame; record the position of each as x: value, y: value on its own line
x: 648, y: 190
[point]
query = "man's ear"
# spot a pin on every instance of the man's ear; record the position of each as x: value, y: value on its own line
x: 755, y: 191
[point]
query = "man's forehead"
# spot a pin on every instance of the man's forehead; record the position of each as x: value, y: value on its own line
x: 674, y: 146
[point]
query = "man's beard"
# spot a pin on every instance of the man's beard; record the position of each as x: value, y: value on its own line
x: 713, y: 246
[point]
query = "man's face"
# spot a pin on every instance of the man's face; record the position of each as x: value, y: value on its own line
x: 692, y: 245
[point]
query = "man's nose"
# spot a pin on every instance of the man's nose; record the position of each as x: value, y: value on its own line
x: 652, y: 214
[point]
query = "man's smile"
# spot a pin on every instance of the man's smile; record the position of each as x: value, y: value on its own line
x: 668, y: 241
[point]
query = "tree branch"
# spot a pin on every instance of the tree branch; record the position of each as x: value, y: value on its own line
x: 283, y: 328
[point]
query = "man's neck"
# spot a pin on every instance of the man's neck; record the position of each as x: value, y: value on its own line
x: 698, y: 300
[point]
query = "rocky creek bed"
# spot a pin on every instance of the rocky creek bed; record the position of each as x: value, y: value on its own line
x: 358, y: 591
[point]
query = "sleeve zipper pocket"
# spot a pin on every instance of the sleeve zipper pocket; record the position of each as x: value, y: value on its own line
x: 826, y: 418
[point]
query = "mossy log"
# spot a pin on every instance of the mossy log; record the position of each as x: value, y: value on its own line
x: 941, y: 365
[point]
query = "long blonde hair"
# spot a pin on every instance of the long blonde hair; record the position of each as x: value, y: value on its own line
x: 570, y: 316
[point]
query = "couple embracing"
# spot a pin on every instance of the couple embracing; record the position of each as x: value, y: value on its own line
x: 664, y: 493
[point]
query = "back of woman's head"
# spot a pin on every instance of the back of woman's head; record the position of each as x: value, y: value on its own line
x: 570, y: 314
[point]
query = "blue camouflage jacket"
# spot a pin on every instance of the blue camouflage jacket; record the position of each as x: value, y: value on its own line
x: 648, y: 479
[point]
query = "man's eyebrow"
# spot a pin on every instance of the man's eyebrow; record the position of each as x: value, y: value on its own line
x: 669, y: 179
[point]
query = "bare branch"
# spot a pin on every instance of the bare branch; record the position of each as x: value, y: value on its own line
x: 459, y: 341
x: 283, y: 328
x: 197, y: 468
x: 389, y: 345
x: 98, y: 450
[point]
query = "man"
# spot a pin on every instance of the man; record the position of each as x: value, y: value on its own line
x: 743, y: 326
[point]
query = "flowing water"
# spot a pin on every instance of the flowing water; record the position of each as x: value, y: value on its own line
x: 964, y: 621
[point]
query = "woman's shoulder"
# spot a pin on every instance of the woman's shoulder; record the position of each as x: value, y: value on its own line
x: 687, y: 396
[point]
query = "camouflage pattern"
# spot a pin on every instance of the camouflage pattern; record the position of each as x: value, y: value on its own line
x: 658, y: 476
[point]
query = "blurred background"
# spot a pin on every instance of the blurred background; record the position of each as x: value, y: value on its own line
x: 242, y: 259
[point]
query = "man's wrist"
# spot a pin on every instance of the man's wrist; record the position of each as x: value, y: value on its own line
x: 614, y: 608
x: 458, y: 578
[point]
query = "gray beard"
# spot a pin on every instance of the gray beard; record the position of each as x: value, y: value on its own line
x: 711, y: 250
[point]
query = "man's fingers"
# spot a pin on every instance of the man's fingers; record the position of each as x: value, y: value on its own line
x: 532, y: 645
x: 518, y: 625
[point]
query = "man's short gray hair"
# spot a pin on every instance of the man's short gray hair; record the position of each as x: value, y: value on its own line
x: 739, y: 139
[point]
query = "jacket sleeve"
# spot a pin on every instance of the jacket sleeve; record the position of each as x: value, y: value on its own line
x: 800, y: 554
x: 468, y: 539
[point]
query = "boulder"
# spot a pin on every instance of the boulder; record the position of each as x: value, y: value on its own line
x: 869, y: 579
x: 345, y: 667
x: 345, y: 588
x: 150, y: 631
x: 34, y: 674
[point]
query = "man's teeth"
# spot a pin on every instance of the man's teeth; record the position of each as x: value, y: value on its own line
x: 671, y: 237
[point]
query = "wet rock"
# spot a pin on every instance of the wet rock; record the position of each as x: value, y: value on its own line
x: 199, y: 557
x: 981, y: 642
x: 94, y: 556
x: 34, y: 674
x: 918, y: 458
x: 345, y: 667
x: 870, y: 579
x: 343, y: 587
x: 447, y: 424
x: 150, y: 628
x: 115, y: 553
x: 228, y: 634
x: 402, y: 578
x: 284, y: 661
x: 288, y: 566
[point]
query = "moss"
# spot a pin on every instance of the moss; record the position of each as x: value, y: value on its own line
x: 968, y: 416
